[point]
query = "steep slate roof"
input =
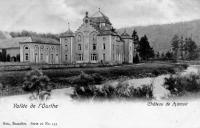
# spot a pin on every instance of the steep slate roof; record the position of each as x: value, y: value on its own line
x: 13, y: 42
x: 98, y: 18
x: 68, y: 33
x: 125, y: 35
x: 43, y: 40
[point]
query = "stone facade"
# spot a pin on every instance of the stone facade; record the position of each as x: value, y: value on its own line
x: 96, y: 41
x: 34, y: 52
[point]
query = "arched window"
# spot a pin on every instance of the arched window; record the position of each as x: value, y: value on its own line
x: 79, y: 46
x: 52, y: 48
x: 26, y: 53
x: 79, y: 38
x: 94, y: 46
x: 26, y: 56
x: 47, y: 50
x: 94, y: 37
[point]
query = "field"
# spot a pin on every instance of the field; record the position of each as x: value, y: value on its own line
x: 11, y: 81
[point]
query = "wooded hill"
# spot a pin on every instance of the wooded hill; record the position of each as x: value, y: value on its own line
x: 160, y: 35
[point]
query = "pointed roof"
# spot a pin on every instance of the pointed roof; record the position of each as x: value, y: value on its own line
x: 68, y: 33
x: 125, y: 35
x: 99, y: 17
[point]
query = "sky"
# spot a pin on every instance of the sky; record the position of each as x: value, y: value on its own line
x: 52, y: 16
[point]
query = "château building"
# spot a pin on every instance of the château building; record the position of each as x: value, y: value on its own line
x: 96, y: 41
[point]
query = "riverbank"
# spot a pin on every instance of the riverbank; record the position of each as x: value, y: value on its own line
x: 11, y: 81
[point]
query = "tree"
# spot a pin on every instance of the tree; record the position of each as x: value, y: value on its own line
x: 0, y: 56
x: 3, y: 55
x: 144, y: 49
x: 175, y: 45
x: 158, y: 55
x: 36, y: 82
x: 190, y: 48
x: 136, y: 59
x: 181, y: 46
x: 135, y: 40
x: 135, y: 37
x: 8, y: 58
x: 169, y: 55
x: 18, y: 58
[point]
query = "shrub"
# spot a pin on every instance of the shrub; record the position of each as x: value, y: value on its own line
x: 82, y: 80
x: 145, y: 91
x: 97, y: 78
x: 178, y: 85
x: 36, y: 82
x: 108, y: 91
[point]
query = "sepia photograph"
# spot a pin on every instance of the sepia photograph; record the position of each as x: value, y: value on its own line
x: 99, y: 63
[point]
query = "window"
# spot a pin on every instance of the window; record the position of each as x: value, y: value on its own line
x: 104, y: 46
x: 79, y: 38
x: 42, y: 47
x: 26, y: 57
x: 94, y: 38
x: 26, y: 47
x: 104, y: 57
x: 104, y: 38
x: 36, y: 48
x: 66, y: 47
x: 52, y: 48
x: 47, y: 50
x: 41, y: 56
x: 66, y: 57
x: 80, y: 57
x: 94, y: 46
x: 79, y: 46
x: 93, y: 57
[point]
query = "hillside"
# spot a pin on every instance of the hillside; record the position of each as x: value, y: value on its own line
x: 161, y: 35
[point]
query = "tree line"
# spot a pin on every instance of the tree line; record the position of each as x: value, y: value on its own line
x: 4, y: 57
x: 143, y: 50
x: 184, y: 48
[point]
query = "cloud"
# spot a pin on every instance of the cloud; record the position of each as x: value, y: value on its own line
x: 53, y: 15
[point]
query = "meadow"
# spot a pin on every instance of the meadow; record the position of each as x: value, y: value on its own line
x: 11, y: 81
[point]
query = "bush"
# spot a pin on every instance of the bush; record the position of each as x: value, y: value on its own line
x: 108, y: 91
x: 179, y: 85
x: 36, y: 82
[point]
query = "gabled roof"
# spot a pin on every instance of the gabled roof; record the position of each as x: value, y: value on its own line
x: 68, y: 33
x: 125, y: 35
x: 99, y: 17
x: 13, y: 42
x: 44, y: 40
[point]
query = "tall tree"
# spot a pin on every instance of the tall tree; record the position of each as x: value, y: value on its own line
x: 135, y: 37
x: 191, y: 49
x: 175, y: 45
x: 144, y: 49
x: 181, y: 47
x: 0, y: 56
x: 4, y: 55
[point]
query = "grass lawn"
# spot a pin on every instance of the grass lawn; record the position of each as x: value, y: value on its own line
x: 60, y: 77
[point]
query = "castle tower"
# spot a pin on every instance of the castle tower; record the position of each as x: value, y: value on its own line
x: 66, y: 44
x: 128, y: 46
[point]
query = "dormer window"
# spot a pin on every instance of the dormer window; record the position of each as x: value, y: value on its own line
x: 102, y: 25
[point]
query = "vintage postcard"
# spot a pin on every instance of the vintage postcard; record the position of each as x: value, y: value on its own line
x: 99, y: 63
